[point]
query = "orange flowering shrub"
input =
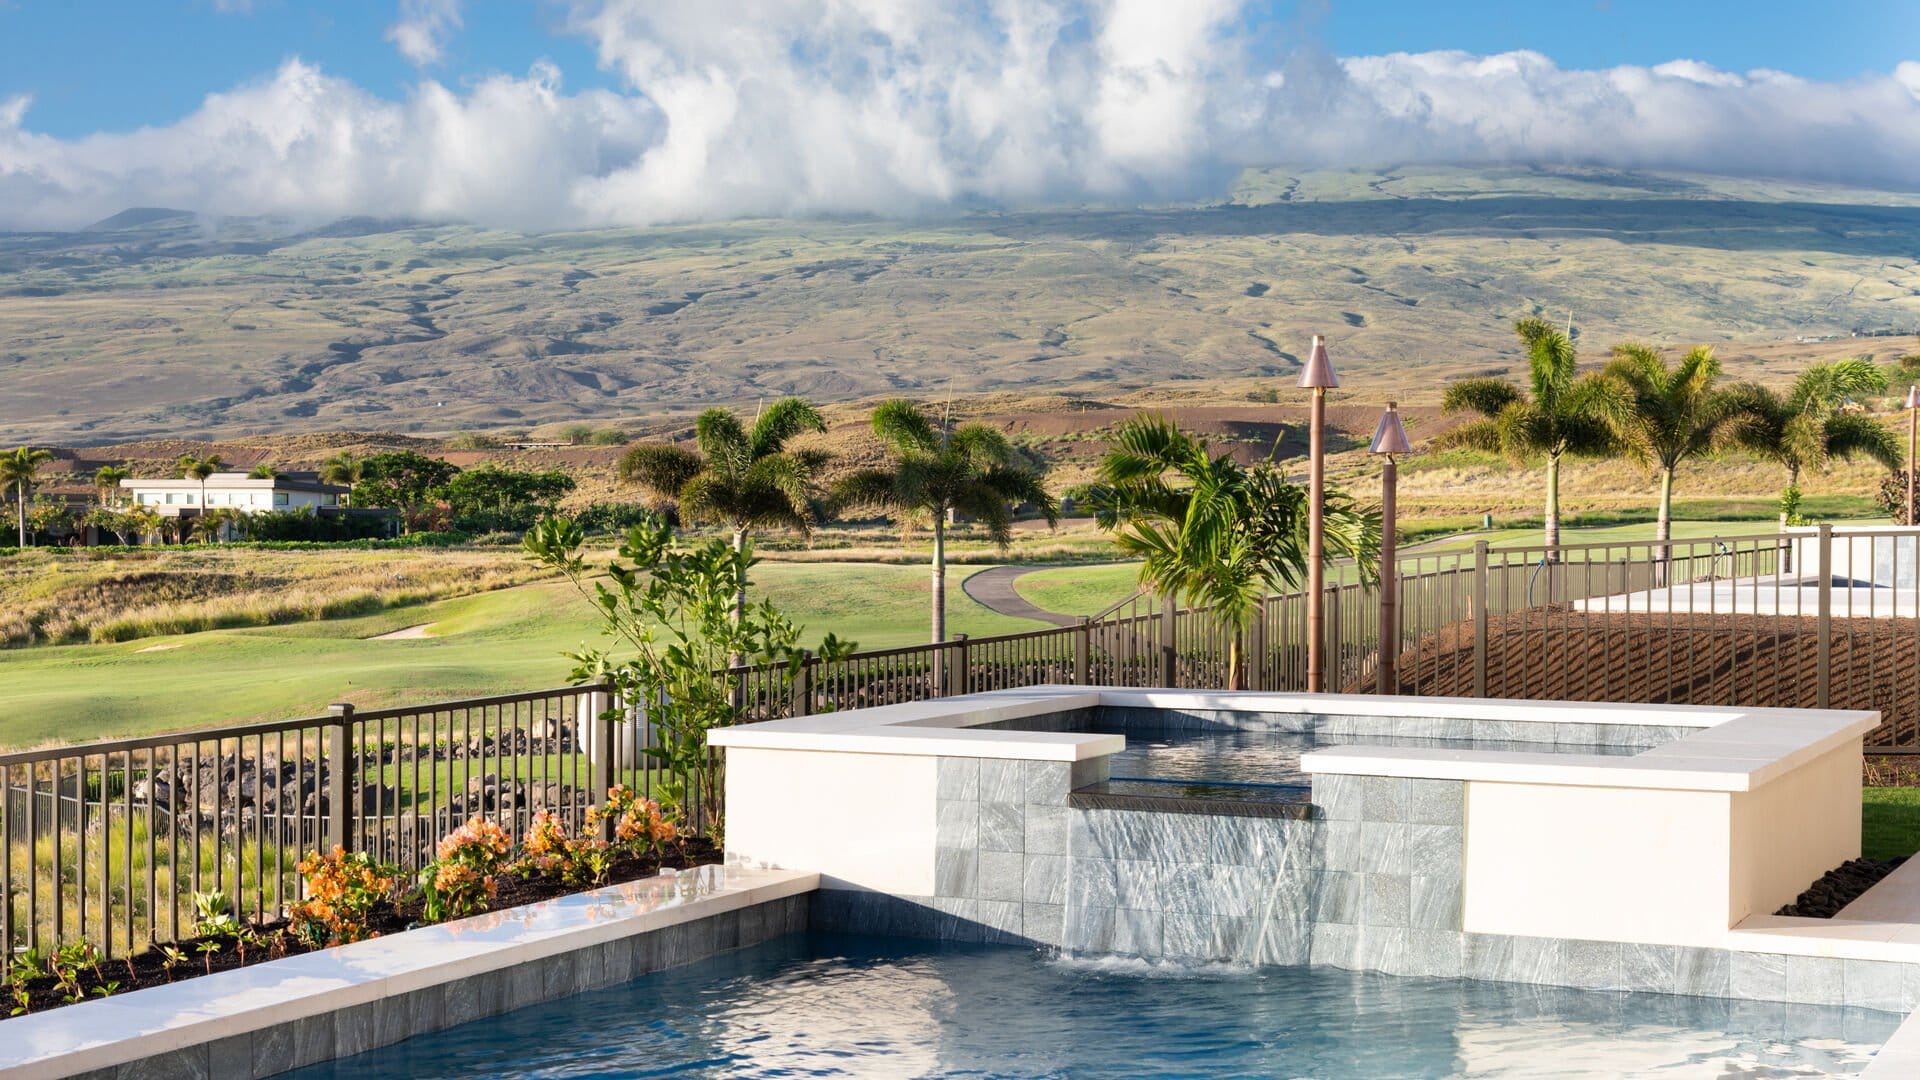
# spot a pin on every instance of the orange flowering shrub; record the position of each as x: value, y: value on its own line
x: 342, y: 889
x: 550, y: 852
x: 639, y: 826
x: 460, y: 880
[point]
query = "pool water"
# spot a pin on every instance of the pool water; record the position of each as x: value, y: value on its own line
x: 1262, y: 765
x: 822, y: 1005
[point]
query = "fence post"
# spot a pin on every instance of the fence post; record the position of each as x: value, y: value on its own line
x: 1480, y: 618
x: 599, y: 723
x: 1823, y: 662
x: 337, y: 753
x: 803, y: 687
x: 958, y: 667
x: 1169, y: 626
x: 1256, y: 658
x: 1083, y: 652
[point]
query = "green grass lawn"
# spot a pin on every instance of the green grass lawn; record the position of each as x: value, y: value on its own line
x: 490, y: 643
x: 1889, y: 822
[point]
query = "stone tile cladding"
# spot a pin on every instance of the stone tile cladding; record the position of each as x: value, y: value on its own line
x: 349, y: 1031
x: 1372, y: 881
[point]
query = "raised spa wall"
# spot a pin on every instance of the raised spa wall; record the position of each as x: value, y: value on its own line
x: 1520, y: 867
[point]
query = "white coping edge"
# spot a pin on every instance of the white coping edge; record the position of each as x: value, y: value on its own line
x: 106, y: 1032
x: 1736, y: 749
x: 1899, y: 1057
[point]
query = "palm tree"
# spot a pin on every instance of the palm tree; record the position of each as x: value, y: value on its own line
x: 1807, y: 427
x: 200, y: 469
x: 1677, y: 413
x: 19, y: 469
x: 263, y: 471
x: 742, y: 478
x: 106, y: 481
x: 935, y: 471
x: 1212, y: 533
x: 1567, y: 413
x: 344, y: 469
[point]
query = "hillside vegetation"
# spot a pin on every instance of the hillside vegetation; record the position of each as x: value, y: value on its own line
x: 173, y: 326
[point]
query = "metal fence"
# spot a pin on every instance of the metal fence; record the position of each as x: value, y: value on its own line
x: 109, y: 841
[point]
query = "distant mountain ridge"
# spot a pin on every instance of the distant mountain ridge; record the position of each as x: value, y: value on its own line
x: 160, y: 322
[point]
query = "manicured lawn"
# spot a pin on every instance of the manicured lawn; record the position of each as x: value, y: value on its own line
x: 1889, y: 822
x: 490, y: 643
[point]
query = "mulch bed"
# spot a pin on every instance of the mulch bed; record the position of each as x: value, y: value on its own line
x: 1840, y: 886
x: 149, y: 969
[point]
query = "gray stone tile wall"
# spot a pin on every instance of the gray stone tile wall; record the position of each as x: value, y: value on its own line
x: 360, y: 1028
x: 1410, y: 727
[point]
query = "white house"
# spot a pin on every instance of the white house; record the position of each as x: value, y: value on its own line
x: 248, y: 494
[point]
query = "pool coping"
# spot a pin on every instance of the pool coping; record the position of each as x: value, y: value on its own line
x: 1735, y: 749
x: 106, y: 1033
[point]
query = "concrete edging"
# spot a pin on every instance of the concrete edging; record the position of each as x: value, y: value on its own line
x: 285, y: 1014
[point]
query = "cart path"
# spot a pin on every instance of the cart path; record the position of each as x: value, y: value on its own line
x: 993, y: 589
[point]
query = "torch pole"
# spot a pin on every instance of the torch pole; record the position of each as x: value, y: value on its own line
x: 1316, y: 544
x: 1389, y: 578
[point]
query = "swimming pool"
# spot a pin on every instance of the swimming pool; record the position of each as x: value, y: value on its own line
x: 822, y: 1005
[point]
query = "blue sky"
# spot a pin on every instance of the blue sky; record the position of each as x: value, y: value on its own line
x: 116, y: 65
x: 548, y: 114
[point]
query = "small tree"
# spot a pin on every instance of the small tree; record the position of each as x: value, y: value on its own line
x: 193, y: 468
x: 1213, y: 533
x: 106, y: 481
x: 1677, y: 413
x: 1808, y: 427
x: 935, y: 471
x: 669, y: 609
x: 403, y: 480
x: 19, y: 470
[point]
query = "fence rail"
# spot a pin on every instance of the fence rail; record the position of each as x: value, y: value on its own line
x: 109, y: 841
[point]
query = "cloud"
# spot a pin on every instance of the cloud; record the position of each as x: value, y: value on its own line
x: 898, y: 106
x: 421, y: 33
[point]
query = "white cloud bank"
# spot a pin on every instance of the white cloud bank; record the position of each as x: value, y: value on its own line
x: 892, y: 106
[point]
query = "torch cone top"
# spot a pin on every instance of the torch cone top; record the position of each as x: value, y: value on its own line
x: 1318, y: 372
x: 1390, y: 437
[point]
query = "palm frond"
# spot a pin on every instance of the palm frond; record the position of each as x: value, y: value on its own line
x: 901, y: 425
x: 722, y: 440
x: 1850, y: 435
x: 780, y: 423
x: 1488, y: 397
x: 660, y: 468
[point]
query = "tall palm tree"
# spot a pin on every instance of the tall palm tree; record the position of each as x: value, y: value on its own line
x: 193, y: 468
x: 1807, y: 427
x: 743, y: 478
x: 1566, y: 413
x: 19, y: 470
x: 1677, y: 413
x: 1213, y: 533
x: 106, y: 481
x: 937, y: 470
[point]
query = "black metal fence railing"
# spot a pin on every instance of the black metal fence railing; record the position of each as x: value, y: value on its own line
x: 108, y: 842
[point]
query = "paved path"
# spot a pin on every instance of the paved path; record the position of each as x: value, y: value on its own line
x: 993, y: 589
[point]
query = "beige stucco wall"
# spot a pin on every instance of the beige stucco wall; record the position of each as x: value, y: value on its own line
x: 1789, y: 832
x: 862, y: 820
x: 1653, y: 866
x: 1602, y: 864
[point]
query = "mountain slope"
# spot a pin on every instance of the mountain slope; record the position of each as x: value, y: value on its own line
x: 178, y: 326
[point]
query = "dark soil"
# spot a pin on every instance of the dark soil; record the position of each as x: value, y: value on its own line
x: 149, y: 968
x: 1839, y: 887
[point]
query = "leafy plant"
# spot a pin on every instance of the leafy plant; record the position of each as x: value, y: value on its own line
x: 1810, y: 425
x: 342, y: 889
x: 639, y: 826
x: 574, y: 861
x: 171, y: 957
x: 460, y: 880
x: 672, y: 605
x: 66, y: 966
x: 213, y: 915
x: 208, y: 950
x: 1214, y: 533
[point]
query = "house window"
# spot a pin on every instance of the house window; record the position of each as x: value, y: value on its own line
x: 280, y: 498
